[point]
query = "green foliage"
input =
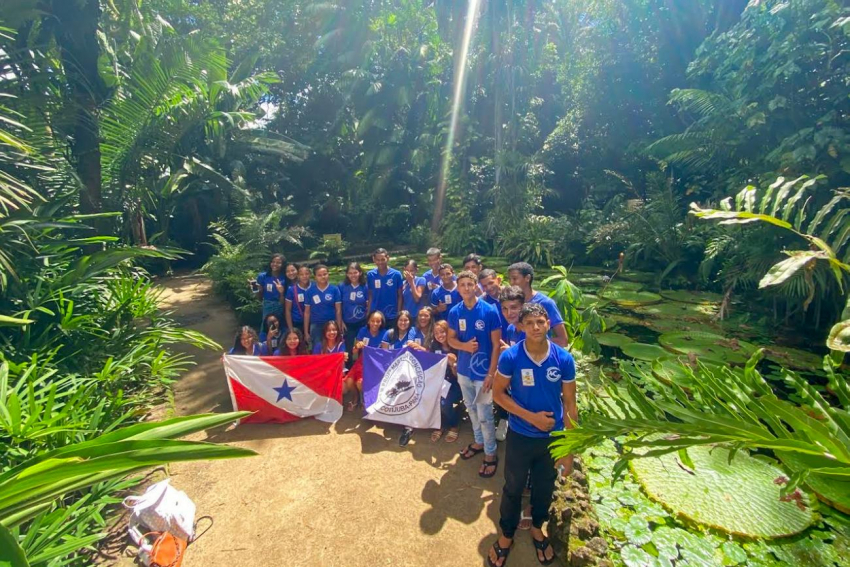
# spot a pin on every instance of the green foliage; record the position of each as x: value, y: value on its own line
x: 331, y: 250
x: 582, y: 322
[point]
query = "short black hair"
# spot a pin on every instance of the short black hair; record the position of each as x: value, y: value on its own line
x: 318, y: 267
x: 472, y: 258
x: 446, y: 267
x: 434, y: 252
x: 524, y: 269
x: 487, y: 273
x: 380, y: 251
x: 512, y: 293
x: 469, y: 275
x: 411, y: 261
x: 533, y: 310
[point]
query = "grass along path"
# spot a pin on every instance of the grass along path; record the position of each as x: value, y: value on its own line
x: 326, y: 495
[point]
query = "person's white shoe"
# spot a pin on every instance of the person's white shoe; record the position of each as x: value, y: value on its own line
x: 502, y: 430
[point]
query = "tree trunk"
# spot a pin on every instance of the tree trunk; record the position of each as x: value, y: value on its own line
x: 76, y: 34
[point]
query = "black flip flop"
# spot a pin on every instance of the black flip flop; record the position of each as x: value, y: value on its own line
x: 495, y: 464
x: 541, y: 545
x: 466, y: 455
x: 501, y: 553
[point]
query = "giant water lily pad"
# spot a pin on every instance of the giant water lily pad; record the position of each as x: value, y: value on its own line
x: 588, y: 299
x: 698, y: 297
x: 642, y: 351
x: 833, y: 492
x: 630, y: 298
x: 793, y: 357
x: 622, y: 285
x: 619, y: 319
x: 615, y: 340
x: 676, y: 309
x: 708, y: 346
x: 640, y: 277
x: 738, y: 496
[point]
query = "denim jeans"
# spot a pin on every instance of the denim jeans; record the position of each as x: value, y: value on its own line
x: 480, y: 415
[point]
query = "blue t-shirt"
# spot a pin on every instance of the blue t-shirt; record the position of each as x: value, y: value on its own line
x: 299, y: 304
x: 384, y: 290
x: 513, y: 335
x: 364, y: 335
x: 353, y: 302
x: 476, y: 323
x: 537, y: 387
x: 408, y: 302
x: 258, y: 350
x: 322, y: 303
x: 340, y: 347
x: 495, y: 303
x: 555, y: 317
x: 267, y: 283
x: 443, y: 296
x: 274, y: 342
x: 413, y: 334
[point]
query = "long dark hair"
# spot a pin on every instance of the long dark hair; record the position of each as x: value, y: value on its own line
x: 237, y: 342
x: 282, y: 264
x: 302, y: 344
x: 339, y: 337
x: 355, y: 266
x: 403, y: 313
x: 290, y: 282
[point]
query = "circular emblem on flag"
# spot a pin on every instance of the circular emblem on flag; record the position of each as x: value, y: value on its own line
x: 553, y: 374
x: 479, y: 325
x: 479, y: 364
x: 402, y: 386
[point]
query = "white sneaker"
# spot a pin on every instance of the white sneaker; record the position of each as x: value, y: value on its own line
x: 502, y: 430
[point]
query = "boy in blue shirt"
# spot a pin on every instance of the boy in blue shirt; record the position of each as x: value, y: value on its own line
x: 521, y: 275
x: 476, y: 332
x: 541, y: 378
x: 491, y: 284
x: 413, y: 290
x: 447, y: 295
x: 323, y: 303
x: 384, y: 285
x: 432, y: 275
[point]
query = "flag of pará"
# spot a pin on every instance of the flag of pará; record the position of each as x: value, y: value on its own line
x: 403, y: 386
x: 279, y: 389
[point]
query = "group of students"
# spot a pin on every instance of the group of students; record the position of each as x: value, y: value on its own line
x: 504, y: 343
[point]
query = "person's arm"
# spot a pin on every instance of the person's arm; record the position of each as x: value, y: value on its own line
x: 368, y: 298
x: 496, y: 341
x: 560, y: 332
x: 542, y: 420
x: 306, y: 320
x: 288, y: 313
x: 281, y: 291
x: 416, y: 290
x: 399, y: 297
x: 259, y: 292
x: 339, y: 323
x: 568, y: 392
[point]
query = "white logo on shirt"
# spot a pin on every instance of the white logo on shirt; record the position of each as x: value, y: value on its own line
x: 479, y: 325
x: 300, y: 298
x: 329, y: 297
x: 553, y: 374
x: 479, y: 365
x: 359, y: 312
x: 268, y: 287
x: 448, y: 299
x: 377, y: 284
x: 317, y: 299
x: 389, y: 283
x: 462, y: 324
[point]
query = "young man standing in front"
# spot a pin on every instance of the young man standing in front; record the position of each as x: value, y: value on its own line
x: 540, y: 376
x: 384, y: 287
x: 521, y: 275
x: 476, y: 332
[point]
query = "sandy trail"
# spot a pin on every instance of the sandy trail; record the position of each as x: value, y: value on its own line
x: 325, y: 495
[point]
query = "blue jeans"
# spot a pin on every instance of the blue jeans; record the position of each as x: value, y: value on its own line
x: 448, y: 409
x: 480, y: 415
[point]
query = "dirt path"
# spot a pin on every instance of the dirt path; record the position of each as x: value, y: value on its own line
x: 326, y: 495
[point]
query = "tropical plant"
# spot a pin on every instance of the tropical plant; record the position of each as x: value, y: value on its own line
x: 38, y: 485
x: 331, y: 250
x: 582, y: 322
x: 533, y: 240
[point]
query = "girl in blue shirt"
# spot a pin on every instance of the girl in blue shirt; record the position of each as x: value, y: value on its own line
x: 296, y: 297
x: 413, y: 289
x: 246, y: 342
x: 270, y: 340
x: 332, y: 343
x: 270, y: 286
x: 354, y: 297
x: 293, y: 344
x: 403, y: 333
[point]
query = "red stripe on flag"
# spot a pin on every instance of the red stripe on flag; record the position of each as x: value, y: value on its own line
x: 264, y: 412
x: 320, y: 373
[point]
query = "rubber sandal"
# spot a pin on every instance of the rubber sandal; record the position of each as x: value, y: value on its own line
x: 501, y: 553
x: 436, y: 435
x: 470, y: 452
x: 405, y: 437
x: 523, y: 517
x: 451, y: 436
x: 487, y: 464
x: 541, y: 545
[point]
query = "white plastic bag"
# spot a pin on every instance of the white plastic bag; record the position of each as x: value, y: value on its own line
x: 162, y: 508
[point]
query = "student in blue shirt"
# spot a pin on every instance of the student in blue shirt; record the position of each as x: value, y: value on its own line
x: 384, y: 286
x: 296, y: 296
x: 269, y: 287
x: 271, y: 339
x: 474, y: 263
x: 432, y: 275
x: 333, y: 343
x: 511, y: 301
x: 354, y: 297
x: 246, y: 342
x: 404, y: 332
x: 476, y: 332
x: 535, y: 382
x: 447, y: 295
x: 324, y: 303
x: 491, y: 284
x: 413, y: 290
x: 371, y: 335
x: 521, y: 275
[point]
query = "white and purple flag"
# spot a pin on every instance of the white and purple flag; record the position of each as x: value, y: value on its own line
x: 280, y: 389
x: 403, y: 386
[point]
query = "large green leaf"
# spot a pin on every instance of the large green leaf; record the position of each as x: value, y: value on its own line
x: 627, y: 298
x: 733, y: 493
x: 11, y: 554
x: 839, y: 336
x: 783, y: 270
